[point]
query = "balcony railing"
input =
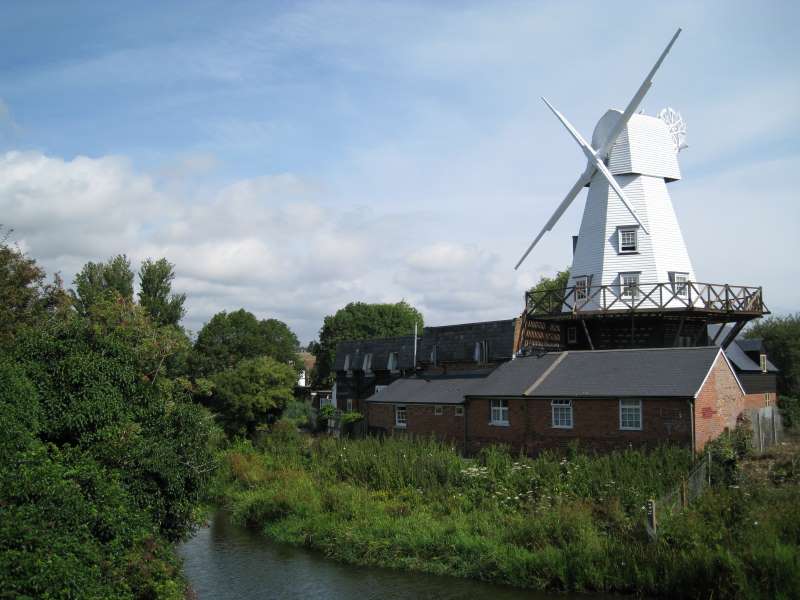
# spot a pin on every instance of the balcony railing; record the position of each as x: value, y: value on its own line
x: 690, y: 295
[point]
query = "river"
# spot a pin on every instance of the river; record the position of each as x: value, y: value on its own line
x: 225, y: 562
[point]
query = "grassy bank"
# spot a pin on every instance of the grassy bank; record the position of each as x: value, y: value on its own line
x: 572, y: 522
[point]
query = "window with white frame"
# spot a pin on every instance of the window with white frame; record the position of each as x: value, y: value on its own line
x: 581, y: 288
x: 680, y: 283
x: 480, y: 352
x: 438, y: 410
x: 379, y: 388
x: 367, y: 364
x: 349, y: 404
x: 499, y: 415
x: 400, y: 416
x: 630, y: 413
x: 629, y: 284
x: 572, y: 335
x: 562, y: 413
x: 347, y: 362
x: 627, y: 240
x: 394, y: 360
x: 763, y: 362
x: 459, y: 411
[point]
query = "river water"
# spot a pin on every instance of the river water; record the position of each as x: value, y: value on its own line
x: 224, y: 562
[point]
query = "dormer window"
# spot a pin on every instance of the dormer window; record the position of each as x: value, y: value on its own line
x: 367, y: 364
x: 763, y: 362
x: 480, y: 354
x: 435, y: 355
x: 394, y: 360
x: 347, y: 362
x: 628, y: 240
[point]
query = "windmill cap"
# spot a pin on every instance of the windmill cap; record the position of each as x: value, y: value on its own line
x: 643, y: 147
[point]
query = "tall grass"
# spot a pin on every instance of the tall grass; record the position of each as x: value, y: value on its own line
x: 569, y: 521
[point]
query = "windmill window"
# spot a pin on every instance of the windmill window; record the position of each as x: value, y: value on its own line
x: 480, y: 353
x: 394, y: 359
x: 628, y: 241
x: 367, y: 364
x: 680, y: 283
x: 581, y: 288
x: 562, y: 413
x: 499, y: 413
x: 630, y: 414
x: 572, y: 335
x: 400, y: 416
x: 630, y: 285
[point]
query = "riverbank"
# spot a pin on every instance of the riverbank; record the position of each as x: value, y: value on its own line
x: 567, y: 523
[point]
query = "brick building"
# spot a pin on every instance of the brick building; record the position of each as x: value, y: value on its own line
x: 605, y: 398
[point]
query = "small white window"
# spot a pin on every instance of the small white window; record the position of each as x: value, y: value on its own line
x: 367, y: 364
x: 499, y: 414
x: 627, y: 240
x: 762, y: 361
x: 379, y: 388
x: 438, y: 410
x: 347, y: 362
x: 581, y: 288
x: 400, y: 417
x: 349, y: 404
x: 629, y: 282
x: 480, y: 352
x: 459, y: 411
x: 572, y: 335
x: 630, y: 414
x: 680, y: 283
x: 394, y: 360
x: 562, y: 413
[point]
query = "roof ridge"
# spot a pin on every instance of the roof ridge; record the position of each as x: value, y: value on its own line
x: 642, y: 349
x: 546, y: 373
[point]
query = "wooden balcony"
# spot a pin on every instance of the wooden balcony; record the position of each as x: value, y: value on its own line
x: 718, y: 302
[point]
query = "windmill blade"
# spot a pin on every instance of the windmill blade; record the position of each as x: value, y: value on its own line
x: 582, y: 181
x: 598, y: 163
x: 635, y: 101
x: 613, y: 183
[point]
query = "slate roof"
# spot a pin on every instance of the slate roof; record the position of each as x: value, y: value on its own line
x: 736, y: 353
x: 652, y: 372
x: 449, y: 389
x: 456, y: 343
x: 380, y: 349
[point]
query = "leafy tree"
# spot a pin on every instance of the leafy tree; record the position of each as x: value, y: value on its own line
x: 155, y: 279
x: 25, y: 296
x: 546, y: 284
x: 361, y: 321
x: 251, y: 393
x: 230, y: 337
x: 96, y: 279
x: 781, y: 337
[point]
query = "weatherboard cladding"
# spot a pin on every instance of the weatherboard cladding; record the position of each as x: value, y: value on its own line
x: 456, y: 343
x: 380, y: 349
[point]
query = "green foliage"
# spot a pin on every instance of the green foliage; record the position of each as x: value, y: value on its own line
x: 351, y: 416
x: 781, y: 336
x: 298, y: 412
x: 790, y: 411
x: 155, y: 293
x: 251, y: 393
x: 96, y: 280
x: 547, y: 284
x: 25, y: 296
x: 230, y: 337
x: 569, y: 521
x: 361, y: 321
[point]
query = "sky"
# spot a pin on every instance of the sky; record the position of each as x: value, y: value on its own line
x: 291, y: 157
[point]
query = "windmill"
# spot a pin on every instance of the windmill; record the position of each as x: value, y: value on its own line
x: 630, y: 256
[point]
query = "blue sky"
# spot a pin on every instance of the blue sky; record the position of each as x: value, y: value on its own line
x: 292, y: 157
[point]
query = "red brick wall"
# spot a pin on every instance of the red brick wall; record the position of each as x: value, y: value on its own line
x: 759, y: 400
x: 421, y: 421
x: 718, y: 405
x: 595, y: 424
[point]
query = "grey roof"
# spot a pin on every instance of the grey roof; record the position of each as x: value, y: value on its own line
x: 750, y: 344
x: 456, y: 343
x: 380, y: 349
x: 434, y: 390
x: 736, y: 353
x: 661, y: 372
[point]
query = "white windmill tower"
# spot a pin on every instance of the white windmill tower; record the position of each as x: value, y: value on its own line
x: 630, y: 254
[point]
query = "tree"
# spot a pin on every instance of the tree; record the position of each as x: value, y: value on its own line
x: 25, y: 296
x: 547, y: 284
x: 96, y: 279
x: 361, y: 321
x: 781, y: 336
x: 251, y: 393
x: 155, y: 280
x: 230, y: 337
